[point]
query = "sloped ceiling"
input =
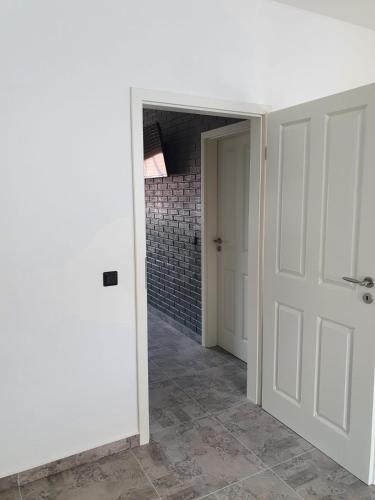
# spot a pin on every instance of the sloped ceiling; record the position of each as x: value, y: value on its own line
x: 361, y: 12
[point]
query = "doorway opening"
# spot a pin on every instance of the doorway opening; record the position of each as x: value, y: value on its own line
x: 179, y: 325
x: 188, y: 379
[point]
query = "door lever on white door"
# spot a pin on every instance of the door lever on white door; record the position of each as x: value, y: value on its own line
x: 368, y: 282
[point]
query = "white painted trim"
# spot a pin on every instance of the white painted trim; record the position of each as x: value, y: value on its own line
x: 256, y: 217
x: 140, y: 269
x: 172, y: 102
x: 209, y: 254
x: 228, y: 130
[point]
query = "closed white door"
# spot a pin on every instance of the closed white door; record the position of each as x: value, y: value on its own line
x: 319, y: 334
x: 233, y: 216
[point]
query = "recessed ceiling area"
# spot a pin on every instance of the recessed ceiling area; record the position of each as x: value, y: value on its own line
x: 361, y: 12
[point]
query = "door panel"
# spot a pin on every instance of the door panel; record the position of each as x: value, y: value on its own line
x: 229, y: 280
x: 293, y: 166
x: 288, y: 352
x: 342, y: 164
x: 334, y: 342
x: 233, y: 219
x: 318, y: 343
x: 245, y: 308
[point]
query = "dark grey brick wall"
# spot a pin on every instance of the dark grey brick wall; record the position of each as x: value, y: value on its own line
x: 173, y: 217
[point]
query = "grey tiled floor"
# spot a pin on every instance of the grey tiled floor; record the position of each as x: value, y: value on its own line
x: 207, y: 441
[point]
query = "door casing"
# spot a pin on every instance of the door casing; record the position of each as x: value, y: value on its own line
x: 209, y: 141
x: 141, y: 98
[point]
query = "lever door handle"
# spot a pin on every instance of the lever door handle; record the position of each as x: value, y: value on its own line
x: 368, y: 282
x: 218, y: 241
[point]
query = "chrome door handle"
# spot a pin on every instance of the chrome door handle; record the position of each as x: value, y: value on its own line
x: 368, y: 282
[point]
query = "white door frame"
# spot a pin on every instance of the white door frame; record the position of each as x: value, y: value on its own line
x: 209, y: 142
x: 141, y: 98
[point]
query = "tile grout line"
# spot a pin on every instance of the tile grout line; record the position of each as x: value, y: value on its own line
x: 231, y: 484
x: 214, y: 417
x: 210, y: 414
x: 241, y: 443
x: 145, y: 473
x: 19, y: 487
x: 287, y: 485
x: 271, y: 467
x: 266, y: 467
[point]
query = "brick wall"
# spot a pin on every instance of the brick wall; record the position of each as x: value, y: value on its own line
x: 173, y: 217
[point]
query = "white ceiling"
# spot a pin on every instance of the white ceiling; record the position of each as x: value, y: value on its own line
x: 360, y: 12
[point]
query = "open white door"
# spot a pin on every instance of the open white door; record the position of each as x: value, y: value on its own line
x: 233, y: 173
x: 319, y: 334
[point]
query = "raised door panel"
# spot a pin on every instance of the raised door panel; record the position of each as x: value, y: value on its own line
x: 288, y: 352
x: 227, y: 193
x: 342, y: 182
x: 228, y: 292
x: 292, y: 197
x: 333, y: 374
x: 245, y: 196
x: 245, y: 306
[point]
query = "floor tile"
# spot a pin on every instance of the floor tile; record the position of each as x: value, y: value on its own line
x: 8, y: 482
x: 216, y: 388
x: 268, y: 438
x: 263, y: 486
x: 161, y: 333
x: 12, y: 494
x: 179, y: 355
x: 169, y: 406
x: 194, y: 459
x: 155, y: 373
x: 118, y: 477
x: 315, y: 476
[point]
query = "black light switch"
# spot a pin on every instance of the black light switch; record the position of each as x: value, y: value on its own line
x: 110, y: 278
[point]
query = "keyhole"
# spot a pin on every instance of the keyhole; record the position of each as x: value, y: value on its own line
x: 367, y: 298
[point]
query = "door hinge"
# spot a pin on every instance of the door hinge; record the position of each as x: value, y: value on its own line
x: 265, y: 153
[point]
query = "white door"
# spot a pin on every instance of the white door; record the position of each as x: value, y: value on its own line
x: 233, y: 216
x: 319, y: 335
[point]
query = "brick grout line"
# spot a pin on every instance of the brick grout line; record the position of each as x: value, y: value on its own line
x: 145, y: 473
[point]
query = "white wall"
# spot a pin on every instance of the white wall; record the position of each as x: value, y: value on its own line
x: 67, y: 345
